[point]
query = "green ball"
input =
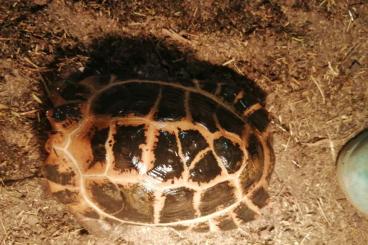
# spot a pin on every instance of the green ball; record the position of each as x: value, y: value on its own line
x: 352, y: 171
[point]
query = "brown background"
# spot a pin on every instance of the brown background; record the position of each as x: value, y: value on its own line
x: 310, y: 57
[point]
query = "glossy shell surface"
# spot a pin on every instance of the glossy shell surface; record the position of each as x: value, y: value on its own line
x: 187, y: 155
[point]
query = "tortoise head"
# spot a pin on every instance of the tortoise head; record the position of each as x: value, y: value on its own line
x: 69, y: 108
x: 68, y: 101
x: 65, y: 116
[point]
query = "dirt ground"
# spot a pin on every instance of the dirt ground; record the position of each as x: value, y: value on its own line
x: 309, y: 57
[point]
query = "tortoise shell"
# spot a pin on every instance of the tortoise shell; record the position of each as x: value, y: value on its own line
x: 191, y: 155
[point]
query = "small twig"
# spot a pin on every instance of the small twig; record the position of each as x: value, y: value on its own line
x: 31, y: 63
x: 14, y: 113
x: 177, y: 233
x: 351, y: 16
x: 238, y: 69
x: 279, y: 124
x: 176, y: 36
x: 296, y: 163
x: 319, y: 88
x: 319, y: 202
x: 228, y: 62
x: 350, y: 51
x: 333, y: 72
x: 46, y: 87
x: 332, y: 147
x: 34, y: 66
x: 287, y: 143
x: 304, y: 238
x: 36, y: 98
x: 25, y: 113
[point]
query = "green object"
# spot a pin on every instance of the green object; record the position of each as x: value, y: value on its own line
x: 352, y: 171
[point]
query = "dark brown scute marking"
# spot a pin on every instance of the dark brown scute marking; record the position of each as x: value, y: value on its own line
x: 217, y: 197
x: 226, y: 223
x: 69, y: 111
x: 229, y: 121
x: 171, y: 107
x: 201, y: 227
x: 52, y: 173
x: 260, y: 197
x: 250, y: 176
x: 138, y: 204
x: 254, y: 169
x: 98, y: 146
x: 106, y: 195
x: 167, y: 164
x: 178, y: 205
x: 90, y: 213
x: 230, y: 154
x: 132, y: 98
x: 208, y: 86
x: 259, y: 119
x: 180, y: 227
x: 271, y: 155
x: 229, y: 91
x: 247, y: 101
x: 244, y: 213
x: 126, y: 148
x: 254, y: 148
x: 205, y: 169
x: 66, y: 196
x: 192, y: 142
x: 202, y: 110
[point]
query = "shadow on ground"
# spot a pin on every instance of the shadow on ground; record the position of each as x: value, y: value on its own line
x: 137, y: 58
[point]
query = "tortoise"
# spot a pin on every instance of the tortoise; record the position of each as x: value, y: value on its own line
x: 192, y: 155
